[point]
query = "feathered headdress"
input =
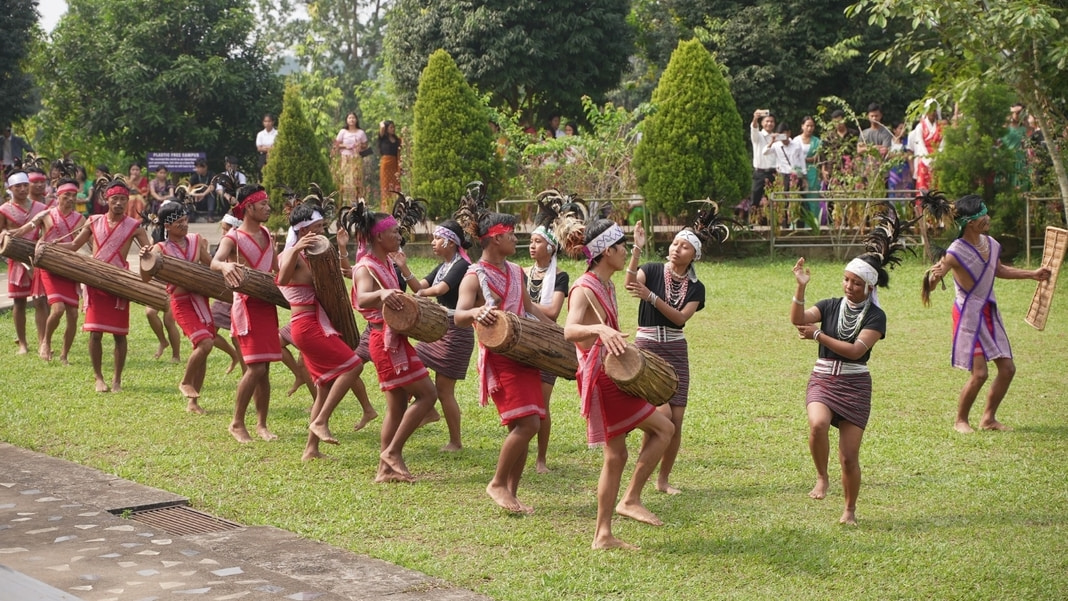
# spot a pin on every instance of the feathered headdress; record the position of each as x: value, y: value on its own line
x: 571, y: 226
x: 472, y: 209
x: 228, y: 182
x: 66, y: 166
x: 30, y: 160
x: 883, y: 247
x: 409, y: 212
x: 709, y: 224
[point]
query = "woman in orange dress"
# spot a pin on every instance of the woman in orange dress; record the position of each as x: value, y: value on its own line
x: 389, y: 163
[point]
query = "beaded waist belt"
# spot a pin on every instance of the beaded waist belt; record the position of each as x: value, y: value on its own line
x: 835, y: 367
x: 660, y: 334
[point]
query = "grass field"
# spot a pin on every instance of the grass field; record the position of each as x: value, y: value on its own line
x: 942, y: 515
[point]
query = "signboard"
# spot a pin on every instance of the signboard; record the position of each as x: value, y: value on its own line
x: 181, y: 162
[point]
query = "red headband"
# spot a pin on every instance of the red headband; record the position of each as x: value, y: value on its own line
x: 251, y: 199
x: 37, y: 177
x: 500, y: 228
x: 68, y: 187
x: 116, y: 190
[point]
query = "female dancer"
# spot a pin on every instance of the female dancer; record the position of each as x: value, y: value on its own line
x: 670, y: 294
x: 845, y: 330
x: 449, y: 356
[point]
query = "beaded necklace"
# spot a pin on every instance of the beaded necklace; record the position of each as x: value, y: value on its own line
x: 445, y: 268
x: 850, y: 317
x: 674, y: 289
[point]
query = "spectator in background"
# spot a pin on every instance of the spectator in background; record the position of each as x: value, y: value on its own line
x: 761, y: 133
x: 160, y: 190
x: 389, y: 145
x: 205, y: 198
x: 138, y: 192
x: 265, y: 139
x: 571, y: 129
x: 790, y: 159
x: 810, y: 149
x: 350, y: 145
x: 837, y: 146
x: 233, y: 170
x: 925, y: 141
x: 877, y: 136
x: 552, y: 130
x: 13, y: 147
x: 899, y: 177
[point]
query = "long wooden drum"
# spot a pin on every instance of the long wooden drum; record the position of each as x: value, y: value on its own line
x: 18, y: 249
x: 535, y: 343
x: 643, y: 374
x: 421, y: 318
x: 94, y: 272
x: 1052, y: 256
x: 330, y: 289
x: 194, y: 277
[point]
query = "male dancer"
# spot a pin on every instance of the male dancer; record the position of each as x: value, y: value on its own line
x: 979, y: 335
x: 593, y: 325
x: 335, y: 367
x: 255, y: 322
x: 496, y: 283
x: 58, y: 223
x: 190, y: 310
x: 14, y: 214
x: 112, y: 234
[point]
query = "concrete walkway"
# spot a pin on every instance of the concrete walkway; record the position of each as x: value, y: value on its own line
x: 62, y: 536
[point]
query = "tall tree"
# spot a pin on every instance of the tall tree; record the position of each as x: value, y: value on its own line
x: 451, y: 144
x: 535, y: 56
x: 1020, y: 43
x: 179, y: 76
x: 692, y: 145
x: 19, y: 19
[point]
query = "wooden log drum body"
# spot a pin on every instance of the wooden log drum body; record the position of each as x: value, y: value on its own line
x: 330, y: 289
x: 535, y: 343
x: 421, y: 318
x: 194, y: 277
x: 643, y: 374
x: 86, y: 270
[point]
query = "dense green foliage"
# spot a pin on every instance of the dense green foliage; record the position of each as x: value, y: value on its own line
x: 692, y: 145
x: 19, y: 18
x: 152, y: 76
x: 297, y: 158
x: 942, y: 515
x: 535, y: 56
x: 451, y: 144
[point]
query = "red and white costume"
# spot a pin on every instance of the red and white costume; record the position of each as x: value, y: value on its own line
x: 21, y: 283
x: 514, y: 387
x: 60, y: 289
x: 190, y: 310
x: 926, y: 140
x: 254, y: 322
x: 325, y: 354
x: 105, y: 312
x: 394, y: 357
x: 609, y: 411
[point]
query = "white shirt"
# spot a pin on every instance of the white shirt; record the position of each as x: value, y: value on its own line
x: 762, y: 159
x: 790, y: 158
x: 266, y: 138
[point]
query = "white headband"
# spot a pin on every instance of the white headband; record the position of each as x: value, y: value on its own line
x: 315, y: 218
x: 17, y: 178
x: 863, y: 270
x: 603, y: 242
x: 231, y: 220
x: 694, y: 241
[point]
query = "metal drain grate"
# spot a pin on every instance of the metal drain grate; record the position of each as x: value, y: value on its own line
x: 179, y: 520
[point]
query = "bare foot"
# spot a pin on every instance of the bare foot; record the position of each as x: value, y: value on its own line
x: 819, y: 491
x: 962, y: 427
x: 541, y: 467
x: 849, y: 518
x: 386, y: 474
x: 611, y: 542
x: 297, y: 383
x: 22, y: 349
x: 995, y: 425
x: 323, y: 433
x: 116, y: 386
x: 188, y: 391
x: 265, y: 433
x: 667, y: 489
x: 452, y: 447
x: 504, y: 497
x: 101, y: 386
x: 176, y: 359
x: 431, y: 417
x: 395, y: 462
x: 44, y: 352
x: 240, y: 433
x: 638, y: 512
x: 527, y: 509
x: 63, y: 360
x: 312, y: 455
x: 193, y: 407
x: 159, y: 351
x: 368, y: 417
x: 234, y: 362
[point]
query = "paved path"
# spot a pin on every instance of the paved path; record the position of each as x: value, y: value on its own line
x: 59, y: 539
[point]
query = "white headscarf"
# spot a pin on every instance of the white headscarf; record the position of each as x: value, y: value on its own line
x: 291, y: 235
x: 863, y: 270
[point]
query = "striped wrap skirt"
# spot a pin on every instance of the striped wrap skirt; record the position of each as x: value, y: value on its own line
x: 449, y: 356
x: 677, y: 355
x: 847, y: 395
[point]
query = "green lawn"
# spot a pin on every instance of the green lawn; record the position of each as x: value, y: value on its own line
x: 942, y: 515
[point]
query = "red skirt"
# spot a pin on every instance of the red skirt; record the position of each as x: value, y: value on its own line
x: 621, y: 412
x: 388, y: 377
x: 519, y: 392
x: 261, y: 344
x: 326, y: 357
x: 192, y: 314
x: 60, y: 289
x: 19, y: 283
x: 106, y: 313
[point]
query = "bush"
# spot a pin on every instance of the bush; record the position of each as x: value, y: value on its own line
x: 297, y: 157
x: 451, y: 141
x: 692, y: 144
